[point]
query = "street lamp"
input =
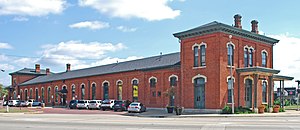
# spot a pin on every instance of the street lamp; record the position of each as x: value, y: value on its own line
x: 298, y: 92
x: 231, y: 76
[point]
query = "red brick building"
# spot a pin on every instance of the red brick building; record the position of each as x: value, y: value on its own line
x: 200, y: 73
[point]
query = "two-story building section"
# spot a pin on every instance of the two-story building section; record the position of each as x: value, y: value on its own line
x: 216, y: 61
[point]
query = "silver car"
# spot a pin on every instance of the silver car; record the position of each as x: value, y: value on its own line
x: 136, y: 107
x: 83, y: 104
x: 95, y: 104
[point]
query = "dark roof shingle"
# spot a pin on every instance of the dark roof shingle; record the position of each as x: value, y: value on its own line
x: 140, y: 64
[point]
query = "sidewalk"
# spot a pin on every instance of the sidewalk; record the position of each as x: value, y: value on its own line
x: 162, y: 113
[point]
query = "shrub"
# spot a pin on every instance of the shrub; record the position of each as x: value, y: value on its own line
x: 226, y: 110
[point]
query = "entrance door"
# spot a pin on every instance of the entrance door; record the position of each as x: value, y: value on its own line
x: 199, y: 93
x: 248, y: 93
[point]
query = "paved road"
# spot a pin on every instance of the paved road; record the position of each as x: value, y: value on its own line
x: 112, y: 122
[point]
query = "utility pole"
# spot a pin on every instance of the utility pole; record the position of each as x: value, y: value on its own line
x: 231, y: 77
x: 298, y: 92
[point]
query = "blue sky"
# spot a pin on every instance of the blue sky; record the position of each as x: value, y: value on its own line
x: 95, y: 32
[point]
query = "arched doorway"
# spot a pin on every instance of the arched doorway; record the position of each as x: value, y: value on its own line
x: 82, y: 92
x: 26, y: 94
x: 199, y: 93
x: 119, y: 90
x: 135, y: 90
x: 36, y: 94
x: 248, y: 93
x: 94, y: 91
x: 105, y: 91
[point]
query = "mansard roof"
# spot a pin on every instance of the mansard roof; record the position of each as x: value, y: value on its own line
x: 155, y: 62
x: 215, y: 26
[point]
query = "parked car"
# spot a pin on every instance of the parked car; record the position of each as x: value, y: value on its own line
x: 121, y: 105
x: 29, y: 102
x: 82, y: 104
x: 95, y: 104
x: 21, y: 103
x: 136, y: 107
x: 36, y: 103
x: 107, y: 104
x: 13, y: 103
x: 73, y: 104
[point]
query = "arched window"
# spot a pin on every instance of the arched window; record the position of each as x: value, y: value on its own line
x: 230, y: 54
x: 21, y: 94
x: 202, y: 55
x: 230, y: 88
x: 36, y: 94
x: 94, y: 91
x: 251, y: 57
x: 105, y: 91
x: 196, y: 56
x: 264, y: 59
x: 246, y: 58
x: 49, y: 94
x: 119, y: 90
x: 43, y: 95
x: 264, y: 91
x: 173, y: 81
x: 135, y: 90
x: 56, y: 94
x: 73, y: 92
x: 152, y: 82
x: 82, y: 92
x: 26, y: 94
x: 15, y: 95
x: 30, y: 93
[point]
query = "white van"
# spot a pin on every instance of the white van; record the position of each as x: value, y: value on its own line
x: 13, y: 102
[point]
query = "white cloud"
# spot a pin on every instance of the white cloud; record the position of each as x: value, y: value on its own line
x: 150, y: 10
x: 20, y: 19
x: 5, y: 46
x: 126, y: 29
x: 76, y: 52
x: 286, y: 56
x: 3, y: 58
x: 6, y: 67
x: 31, y: 7
x: 94, y: 25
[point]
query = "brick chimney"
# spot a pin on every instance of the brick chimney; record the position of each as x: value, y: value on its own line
x: 37, y: 68
x: 47, y: 71
x: 254, y: 25
x: 68, y: 67
x: 237, y: 21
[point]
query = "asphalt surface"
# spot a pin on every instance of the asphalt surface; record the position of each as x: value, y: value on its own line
x: 111, y: 122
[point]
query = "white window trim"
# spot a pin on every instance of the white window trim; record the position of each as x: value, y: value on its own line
x: 202, y: 43
x: 152, y: 77
x: 119, y: 81
x: 199, y: 76
x: 195, y: 45
x: 264, y: 81
x: 264, y: 51
x: 248, y: 77
x: 81, y: 85
x: 105, y: 81
x: 94, y: 83
x: 173, y: 75
x: 135, y: 79
x: 230, y: 43
x: 64, y: 86
x: 228, y: 77
x: 199, y: 67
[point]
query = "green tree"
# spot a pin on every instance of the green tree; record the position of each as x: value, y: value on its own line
x: 3, y: 91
